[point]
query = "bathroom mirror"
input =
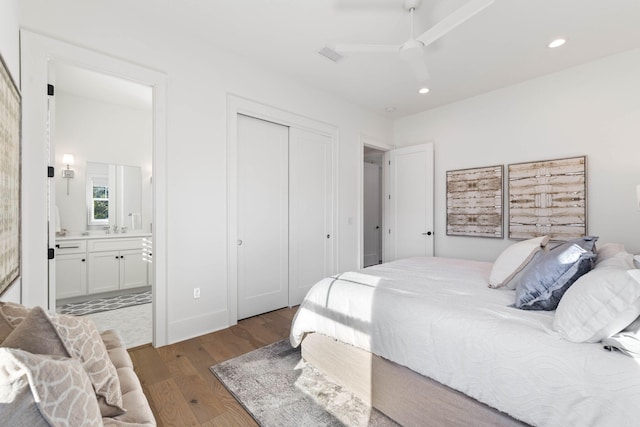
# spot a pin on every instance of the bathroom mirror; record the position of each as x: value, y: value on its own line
x: 114, y: 195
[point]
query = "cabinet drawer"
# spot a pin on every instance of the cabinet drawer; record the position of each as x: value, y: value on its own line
x: 101, y: 245
x: 71, y: 247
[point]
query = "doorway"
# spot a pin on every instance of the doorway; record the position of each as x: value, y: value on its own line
x: 38, y: 54
x: 406, y: 198
x: 102, y: 201
x: 372, y: 206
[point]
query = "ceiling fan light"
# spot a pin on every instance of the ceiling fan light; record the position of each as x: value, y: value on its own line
x: 423, y: 90
x: 557, y: 43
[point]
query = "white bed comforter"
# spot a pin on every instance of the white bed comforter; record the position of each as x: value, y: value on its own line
x: 438, y: 317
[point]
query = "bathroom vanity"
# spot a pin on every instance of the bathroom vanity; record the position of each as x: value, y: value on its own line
x: 94, y: 264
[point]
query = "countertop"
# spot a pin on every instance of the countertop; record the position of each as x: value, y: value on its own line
x: 102, y: 235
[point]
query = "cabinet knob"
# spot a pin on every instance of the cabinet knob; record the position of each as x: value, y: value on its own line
x: 83, y: 260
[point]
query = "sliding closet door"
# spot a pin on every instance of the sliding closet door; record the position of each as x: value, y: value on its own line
x: 311, y: 211
x: 262, y: 216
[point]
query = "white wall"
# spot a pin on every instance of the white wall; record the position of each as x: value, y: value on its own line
x: 200, y: 77
x: 593, y: 109
x: 10, y: 51
x: 97, y: 131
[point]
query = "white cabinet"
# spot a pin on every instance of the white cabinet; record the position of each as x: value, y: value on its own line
x: 133, y: 269
x: 91, y: 266
x: 104, y: 271
x: 116, y: 264
x: 71, y: 269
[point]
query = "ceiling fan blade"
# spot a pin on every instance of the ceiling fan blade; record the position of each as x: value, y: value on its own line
x: 453, y: 20
x: 366, y: 48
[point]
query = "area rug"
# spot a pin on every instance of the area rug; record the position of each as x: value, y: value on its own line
x: 278, y: 388
x: 105, y: 304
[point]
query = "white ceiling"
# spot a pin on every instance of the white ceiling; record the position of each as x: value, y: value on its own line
x: 503, y: 45
x: 90, y: 84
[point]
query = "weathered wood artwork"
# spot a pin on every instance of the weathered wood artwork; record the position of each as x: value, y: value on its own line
x: 474, y: 202
x: 9, y: 179
x: 548, y: 198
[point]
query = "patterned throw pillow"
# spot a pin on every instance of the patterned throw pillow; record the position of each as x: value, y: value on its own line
x: 78, y: 338
x: 39, y: 390
x: 83, y: 341
x: 37, y: 335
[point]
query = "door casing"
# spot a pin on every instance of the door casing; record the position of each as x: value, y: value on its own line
x: 37, y: 52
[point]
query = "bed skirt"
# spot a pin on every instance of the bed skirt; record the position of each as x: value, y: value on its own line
x: 402, y: 394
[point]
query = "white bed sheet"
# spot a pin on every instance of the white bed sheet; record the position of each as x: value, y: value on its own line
x: 437, y: 317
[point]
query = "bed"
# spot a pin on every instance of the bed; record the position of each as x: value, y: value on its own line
x: 426, y: 339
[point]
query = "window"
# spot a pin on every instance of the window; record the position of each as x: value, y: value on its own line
x: 100, y: 204
x: 100, y: 191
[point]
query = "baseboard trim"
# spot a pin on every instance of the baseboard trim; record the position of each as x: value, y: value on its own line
x: 197, y: 325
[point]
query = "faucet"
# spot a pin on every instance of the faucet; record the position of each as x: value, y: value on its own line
x: 115, y: 229
x: 123, y: 229
x: 107, y: 229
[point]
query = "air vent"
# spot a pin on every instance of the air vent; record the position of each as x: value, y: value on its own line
x: 327, y: 52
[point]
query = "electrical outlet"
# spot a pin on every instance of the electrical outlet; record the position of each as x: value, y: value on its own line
x: 196, y: 293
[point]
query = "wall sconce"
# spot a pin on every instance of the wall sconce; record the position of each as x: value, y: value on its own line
x: 68, y: 172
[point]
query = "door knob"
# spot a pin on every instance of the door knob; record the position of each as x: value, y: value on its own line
x: 428, y: 233
x: 377, y: 227
x: 239, y: 242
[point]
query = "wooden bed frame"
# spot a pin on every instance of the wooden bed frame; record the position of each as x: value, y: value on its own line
x: 402, y: 394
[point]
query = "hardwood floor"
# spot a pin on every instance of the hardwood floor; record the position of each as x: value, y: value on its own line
x: 176, y: 378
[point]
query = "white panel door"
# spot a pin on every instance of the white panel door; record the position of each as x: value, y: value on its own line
x: 262, y: 216
x: 410, y: 229
x: 311, y: 208
x: 372, y: 214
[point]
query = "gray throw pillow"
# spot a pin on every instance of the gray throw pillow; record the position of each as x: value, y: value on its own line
x: 544, y: 280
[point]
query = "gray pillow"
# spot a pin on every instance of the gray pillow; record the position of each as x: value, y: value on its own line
x: 544, y: 280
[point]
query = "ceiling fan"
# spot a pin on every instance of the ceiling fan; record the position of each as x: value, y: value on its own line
x: 413, y: 50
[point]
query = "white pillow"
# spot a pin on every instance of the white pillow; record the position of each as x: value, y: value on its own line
x: 513, y: 259
x: 599, y: 304
x: 623, y: 260
x: 626, y: 341
x: 608, y: 250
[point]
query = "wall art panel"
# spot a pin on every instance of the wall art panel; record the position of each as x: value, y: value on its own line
x: 474, y: 202
x: 548, y: 198
x: 9, y: 179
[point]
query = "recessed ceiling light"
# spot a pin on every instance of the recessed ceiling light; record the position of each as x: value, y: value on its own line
x: 390, y: 109
x: 557, y: 43
x: 423, y: 90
